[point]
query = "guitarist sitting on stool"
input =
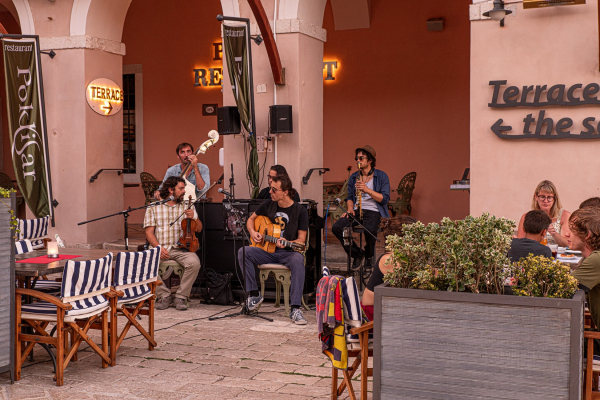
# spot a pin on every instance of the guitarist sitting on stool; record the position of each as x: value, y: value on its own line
x: 293, y: 220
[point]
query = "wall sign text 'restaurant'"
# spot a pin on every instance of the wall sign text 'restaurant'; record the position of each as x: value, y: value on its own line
x: 540, y: 126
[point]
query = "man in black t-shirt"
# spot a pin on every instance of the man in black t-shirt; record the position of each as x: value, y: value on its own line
x: 293, y: 221
x: 535, y: 224
x: 276, y: 170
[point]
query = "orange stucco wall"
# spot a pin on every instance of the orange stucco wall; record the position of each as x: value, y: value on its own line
x: 169, y: 49
x: 404, y: 91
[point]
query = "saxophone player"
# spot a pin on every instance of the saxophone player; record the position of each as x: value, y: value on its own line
x: 373, y: 188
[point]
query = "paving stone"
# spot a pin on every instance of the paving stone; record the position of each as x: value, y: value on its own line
x: 250, y: 384
x: 253, y: 395
x: 156, y: 353
x: 214, y: 392
x: 185, y: 378
x: 240, y: 354
x: 268, y: 366
x: 18, y: 392
x: 305, y: 390
x: 124, y: 370
x: 158, y: 395
x: 67, y: 395
x: 287, y: 378
x: 323, y: 372
x: 245, y: 373
x: 167, y: 365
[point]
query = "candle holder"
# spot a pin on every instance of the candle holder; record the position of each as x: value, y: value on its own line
x: 52, y: 250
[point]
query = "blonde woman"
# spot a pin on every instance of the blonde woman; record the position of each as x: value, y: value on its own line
x: 546, y: 199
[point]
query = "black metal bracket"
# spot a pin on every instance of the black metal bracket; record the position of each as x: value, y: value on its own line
x: 51, y: 53
x: 310, y: 171
x: 95, y: 176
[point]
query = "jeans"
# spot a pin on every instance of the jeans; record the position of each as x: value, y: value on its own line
x: 291, y: 259
x: 371, y: 221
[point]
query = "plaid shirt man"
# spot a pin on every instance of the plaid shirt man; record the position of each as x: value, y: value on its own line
x: 161, y: 217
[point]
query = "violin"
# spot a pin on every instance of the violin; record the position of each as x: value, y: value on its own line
x: 188, y: 240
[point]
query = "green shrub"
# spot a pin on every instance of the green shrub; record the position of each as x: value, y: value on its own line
x: 542, y: 277
x: 464, y: 255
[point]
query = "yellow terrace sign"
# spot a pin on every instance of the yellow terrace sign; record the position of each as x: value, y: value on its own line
x: 104, y: 96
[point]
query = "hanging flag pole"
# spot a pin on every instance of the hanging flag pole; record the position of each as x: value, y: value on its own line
x: 27, y: 121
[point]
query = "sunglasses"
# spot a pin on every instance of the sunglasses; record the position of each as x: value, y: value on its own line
x: 274, y: 189
x: 360, y: 158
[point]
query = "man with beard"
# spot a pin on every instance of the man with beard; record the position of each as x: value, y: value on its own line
x: 199, y: 174
x: 159, y: 231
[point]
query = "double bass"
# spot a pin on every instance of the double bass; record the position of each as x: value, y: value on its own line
x: 190, y: 188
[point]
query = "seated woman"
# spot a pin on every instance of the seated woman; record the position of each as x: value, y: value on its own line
x: 389, y: 226
x: 546, y: 199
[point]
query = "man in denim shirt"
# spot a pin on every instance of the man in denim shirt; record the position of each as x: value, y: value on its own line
x: 375, y: 187
x: 199, y: 174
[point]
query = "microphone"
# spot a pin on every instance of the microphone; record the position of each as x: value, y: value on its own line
x: 338, y: 201
x: 170, y: 198
x: 226, y: 193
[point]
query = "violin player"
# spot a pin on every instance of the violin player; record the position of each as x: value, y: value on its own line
x: 159, y: 231
x: 199, y: 174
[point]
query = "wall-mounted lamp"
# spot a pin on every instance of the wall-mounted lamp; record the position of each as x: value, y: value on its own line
x: 257, y: 39
x: 498, y: 12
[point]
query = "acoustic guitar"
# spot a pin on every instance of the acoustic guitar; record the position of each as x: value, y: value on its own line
x: 271, y: 233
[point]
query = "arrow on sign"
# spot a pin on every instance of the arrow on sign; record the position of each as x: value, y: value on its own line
x: 107, y: 107
x: 497, y: 128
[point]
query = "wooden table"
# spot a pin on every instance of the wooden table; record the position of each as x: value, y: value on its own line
x: 33, y: 270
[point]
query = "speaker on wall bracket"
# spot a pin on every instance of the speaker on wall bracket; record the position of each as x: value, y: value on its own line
x: 228, y: 121
x: 280, y: 120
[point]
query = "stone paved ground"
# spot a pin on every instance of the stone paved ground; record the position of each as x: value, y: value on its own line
x: 241, y: 357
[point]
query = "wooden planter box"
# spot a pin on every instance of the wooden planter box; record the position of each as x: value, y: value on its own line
x: 446, y: 345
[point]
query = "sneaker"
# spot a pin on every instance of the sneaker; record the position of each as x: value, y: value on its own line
x: 163, y: 303
x: 357, y: 263
x: 297, y: 317
x: 253, y: 302
x: 180, y: 304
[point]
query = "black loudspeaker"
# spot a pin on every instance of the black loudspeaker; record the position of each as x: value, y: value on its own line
x: 228, y: 120
x: 281, y: 119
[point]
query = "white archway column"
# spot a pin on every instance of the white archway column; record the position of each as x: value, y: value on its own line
x: 300, y: 44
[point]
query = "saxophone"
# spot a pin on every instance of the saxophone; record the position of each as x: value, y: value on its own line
x: 358, y: 194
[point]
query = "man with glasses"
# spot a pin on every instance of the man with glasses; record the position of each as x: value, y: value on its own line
x: 375, y: 187
x: 293, y: 220
x: 276, y: 170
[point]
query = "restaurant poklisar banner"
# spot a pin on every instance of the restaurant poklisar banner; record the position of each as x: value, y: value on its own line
x: 26, y: 123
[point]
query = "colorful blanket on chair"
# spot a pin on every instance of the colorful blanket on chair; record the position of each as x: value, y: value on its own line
x: 330, y: 321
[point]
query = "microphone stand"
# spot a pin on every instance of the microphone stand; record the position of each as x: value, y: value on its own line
x: 244, y: 310
x: 125, y: 214
x: 351, y: 240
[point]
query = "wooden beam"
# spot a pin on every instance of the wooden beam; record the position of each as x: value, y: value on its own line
x: 267, y: 34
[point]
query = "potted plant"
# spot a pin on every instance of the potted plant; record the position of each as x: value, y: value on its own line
x: 444, y: 329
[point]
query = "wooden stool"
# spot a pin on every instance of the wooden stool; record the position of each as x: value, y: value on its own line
x: 283, y: 277
x: 168, y: 267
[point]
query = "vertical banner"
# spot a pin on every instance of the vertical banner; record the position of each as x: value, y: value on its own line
x: 235, y: 47
x: 26, y: 123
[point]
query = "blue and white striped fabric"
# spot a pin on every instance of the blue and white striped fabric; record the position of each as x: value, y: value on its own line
x: 351, y: 297
x: 33, y: 229
x: 83, y: 284
x: 49, y: 287
x: 134, y: 271
x: 23, y: 246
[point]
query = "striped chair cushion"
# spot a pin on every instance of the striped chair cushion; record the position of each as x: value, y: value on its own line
x: 84, y: 306
x: 86, y: 279
x: 23, y: 246
x: 49, y: 287
x: 134, y: 270
x: 135, y: 294
x: 352, y: 310
x: 33, y: 228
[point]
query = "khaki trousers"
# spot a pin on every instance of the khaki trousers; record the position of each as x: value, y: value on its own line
x: 191, y: 264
